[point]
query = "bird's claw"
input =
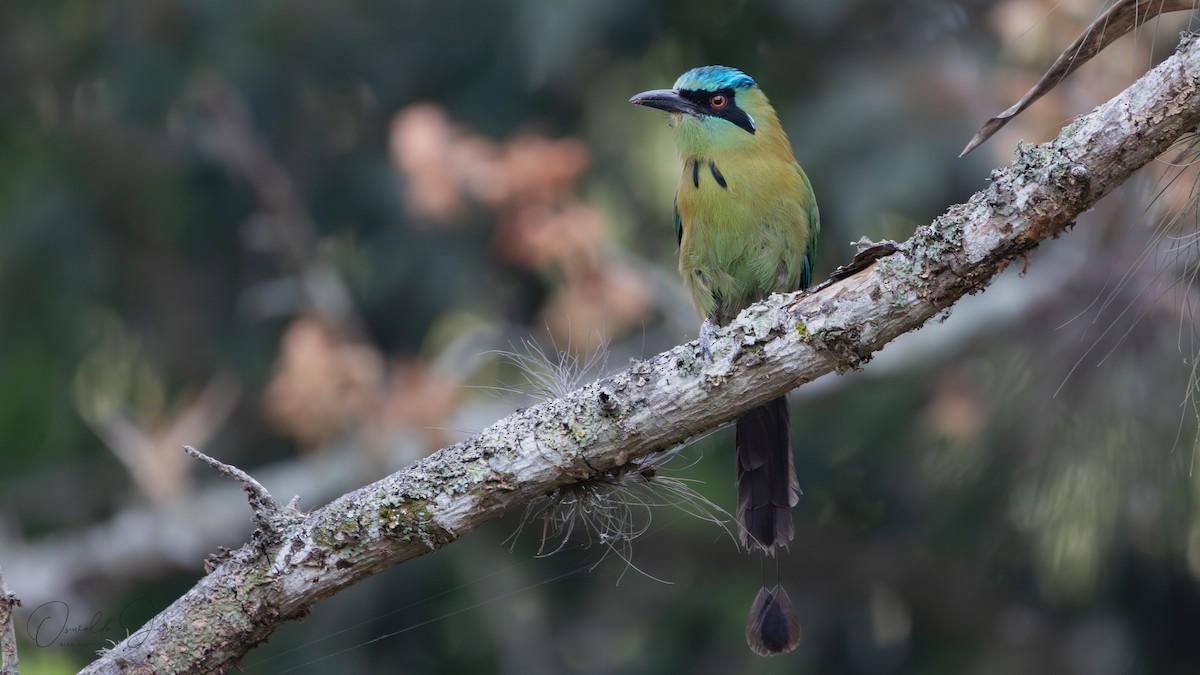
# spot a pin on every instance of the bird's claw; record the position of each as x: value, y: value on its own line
x: 708, y: 331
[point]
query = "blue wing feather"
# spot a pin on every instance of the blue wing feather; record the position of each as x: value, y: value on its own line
x: 814, y: 228
x: 678, y: 222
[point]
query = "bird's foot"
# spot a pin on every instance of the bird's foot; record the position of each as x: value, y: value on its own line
x: 708, y: 332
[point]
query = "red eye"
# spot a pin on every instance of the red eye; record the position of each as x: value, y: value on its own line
x: 718, y: 101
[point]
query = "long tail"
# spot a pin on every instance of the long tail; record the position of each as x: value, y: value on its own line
x: 766, y: 477
x: 767, y: 491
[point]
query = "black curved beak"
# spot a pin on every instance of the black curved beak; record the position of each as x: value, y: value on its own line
x: 664, y: 99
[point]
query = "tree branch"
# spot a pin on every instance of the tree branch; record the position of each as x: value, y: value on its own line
x: 769, y: 349
x: 9, y: 664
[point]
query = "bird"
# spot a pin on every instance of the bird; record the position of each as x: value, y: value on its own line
x: 746, y: 222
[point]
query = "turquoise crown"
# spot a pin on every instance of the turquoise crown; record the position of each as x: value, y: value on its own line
x: 712, y: 78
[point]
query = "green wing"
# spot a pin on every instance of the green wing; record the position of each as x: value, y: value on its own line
x: 809, y: 202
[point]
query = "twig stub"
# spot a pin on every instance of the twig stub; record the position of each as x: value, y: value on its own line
x: 267, y: 512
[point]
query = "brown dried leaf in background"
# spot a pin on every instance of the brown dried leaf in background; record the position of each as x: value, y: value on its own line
x: 444, y: 164
x: 536, y: 170
x: 589, y: 310
x: 323, y: 383
x: 528, y: 183
x: 539, y: 236
x: 1121, y: 18
x: 423, y: 399
x: 420, y: 142
x: 477, y: 164
x: 956, y: 411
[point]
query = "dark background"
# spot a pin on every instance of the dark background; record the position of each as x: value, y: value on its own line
x: 294, y: 234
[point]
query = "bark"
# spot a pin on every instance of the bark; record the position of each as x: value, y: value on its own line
x: 293, y: 560
x: 9, y: 664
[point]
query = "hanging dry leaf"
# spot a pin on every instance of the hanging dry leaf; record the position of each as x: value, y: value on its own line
x: 1121, y: 18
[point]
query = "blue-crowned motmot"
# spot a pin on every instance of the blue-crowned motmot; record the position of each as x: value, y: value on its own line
x: 746, y: 220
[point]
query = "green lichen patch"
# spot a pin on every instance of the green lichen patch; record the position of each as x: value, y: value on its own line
x: 405, y: 518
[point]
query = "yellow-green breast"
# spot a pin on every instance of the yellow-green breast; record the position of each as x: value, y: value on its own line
x: 749, y: 223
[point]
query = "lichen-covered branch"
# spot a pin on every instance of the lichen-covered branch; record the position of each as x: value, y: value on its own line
x: 9, y: 664
x: 771, y: 348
